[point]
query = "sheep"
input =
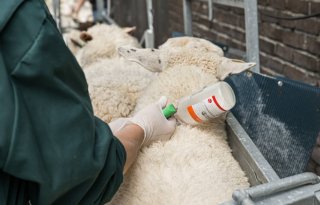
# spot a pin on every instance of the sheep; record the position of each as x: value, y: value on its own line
x: 75, y: 40
x: 113, y: 83
x: 114, y: 86
x: 103, y: 41
x: 196, y: 166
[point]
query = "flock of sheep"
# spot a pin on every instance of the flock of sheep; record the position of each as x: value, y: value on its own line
x: 196, y: 165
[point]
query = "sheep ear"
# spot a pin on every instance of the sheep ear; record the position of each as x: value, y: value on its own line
x: 77, y: 42
x: 231, y: 66
x: 129, y: 30
x: 85, y: 36
x: 148, y: 58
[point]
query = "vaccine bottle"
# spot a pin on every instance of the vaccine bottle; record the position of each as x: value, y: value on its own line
x: 205, y: 105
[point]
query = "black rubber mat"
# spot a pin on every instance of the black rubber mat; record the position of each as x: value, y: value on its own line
x: 281, y: 116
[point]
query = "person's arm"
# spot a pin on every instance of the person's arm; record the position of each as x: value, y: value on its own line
x: 78, y: 6
x: 131, y: 136
x: 53, y: 150
x: 146, y: 126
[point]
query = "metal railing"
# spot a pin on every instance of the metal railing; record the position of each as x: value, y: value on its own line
x: 251, y: 24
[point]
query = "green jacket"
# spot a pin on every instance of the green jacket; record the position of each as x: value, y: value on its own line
x: 52, y: 148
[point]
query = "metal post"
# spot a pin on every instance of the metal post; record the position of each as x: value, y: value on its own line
x: 109, y: 8
x: 100, y: 10
x: 149, y: 38
x: 187, y: 17
x: 252, y: 34
x: 210, y: 12
x: 106, y: 14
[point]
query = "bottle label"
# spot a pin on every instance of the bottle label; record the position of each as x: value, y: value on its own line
x: 205, y: 110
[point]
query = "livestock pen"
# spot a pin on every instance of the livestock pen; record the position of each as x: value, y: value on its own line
x: 272, y: 130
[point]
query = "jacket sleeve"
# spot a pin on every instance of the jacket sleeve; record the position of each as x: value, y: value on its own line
x: 49, y: 135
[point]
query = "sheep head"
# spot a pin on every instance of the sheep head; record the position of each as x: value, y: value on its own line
x: 186, y: 51
x: 102, y: 42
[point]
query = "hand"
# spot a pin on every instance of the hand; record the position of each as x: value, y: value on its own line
x: 118, y: 124
x: 153, y: 122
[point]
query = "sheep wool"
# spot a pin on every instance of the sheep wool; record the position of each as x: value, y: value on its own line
x: 114, y: 86
x: 196, y: 166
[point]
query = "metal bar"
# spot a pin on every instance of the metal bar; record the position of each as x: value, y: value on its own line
x: 150, y: 14
x: 284, y: 184
x: 100, y: 10
x: 234, y: 3
x: 245, y: 196
x: 252, y: 33
x: 187, y: 17
x: 106, y: 13
x: 109, y: 8
x: 149, y: 33
x: 210, y: 14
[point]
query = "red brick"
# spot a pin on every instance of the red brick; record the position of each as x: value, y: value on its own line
x: 222, y: 7
x: 294, y: 39
x: 284, y: 52
x: 270, y: 30
x: 278, y: 4
x: 274, y: 64
x: 229, y: 18
x: 232, y: 32
x: 293, y: 72
x: 314, y: 7
x: 266, y: 46
x: 263, y: 58
x: 297, y: 73
x: 208, y: 35
x: 297, y: 6
x: 201, y: 21
x: 306, y: 60
x: 263, y: 2
x: 293, y: 47
x: 313, y: 44
x: 311, y: 25
x: 175, y: 19
x: 268, y: 71
x: 239, y: 11
x: 265, y: 15
x: 288, y: 24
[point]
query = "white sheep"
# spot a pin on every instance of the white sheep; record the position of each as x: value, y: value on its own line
x: 114, y: 86
x: 196, y: 166
x: 103, y: 42
x: 75, y: 40
x: 114, y: 83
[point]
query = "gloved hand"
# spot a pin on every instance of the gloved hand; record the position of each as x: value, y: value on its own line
x: 153, y: 122
x: 118, y: 124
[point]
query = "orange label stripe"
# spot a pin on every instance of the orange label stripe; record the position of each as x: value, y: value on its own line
x: 193, y: 114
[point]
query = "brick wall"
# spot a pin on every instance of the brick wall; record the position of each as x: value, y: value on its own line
x: 287, y: 48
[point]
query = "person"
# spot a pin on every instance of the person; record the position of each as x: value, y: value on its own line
x: 96, y: 16
x: 53, y: 150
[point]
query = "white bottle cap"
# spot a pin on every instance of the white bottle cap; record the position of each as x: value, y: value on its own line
x: 226, y: 99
